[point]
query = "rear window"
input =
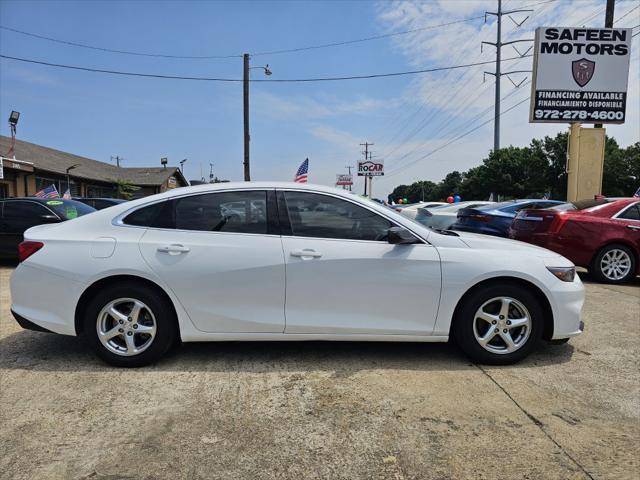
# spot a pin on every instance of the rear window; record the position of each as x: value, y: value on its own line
x: 69, y: 209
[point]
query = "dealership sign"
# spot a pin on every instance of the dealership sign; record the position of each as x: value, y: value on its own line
x: 344, y: 179
x: 369, y: 168
x: 580, y: 75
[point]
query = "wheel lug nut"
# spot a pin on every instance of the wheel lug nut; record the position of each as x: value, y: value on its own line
x: 504, y: 331
x: 120, y: 322
x: 135, y: 325
x: 129, y: 333
x: 501, y: 317
x: 129, y: 319
x: 121, y: 330
x: 494, y: 322
x: 497, y: 330
x: 508, y: 322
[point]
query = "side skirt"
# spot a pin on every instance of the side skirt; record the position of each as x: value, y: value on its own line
x: 299, y: 337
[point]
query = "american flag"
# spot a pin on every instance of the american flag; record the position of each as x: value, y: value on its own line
x: 50, y: 192
x: 301, y: 174
x: 546, y: 196
x: 67, y: 194
x: 637, y: 194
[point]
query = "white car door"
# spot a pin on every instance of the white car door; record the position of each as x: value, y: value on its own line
x: 224, y: 263
x: 343, y: 277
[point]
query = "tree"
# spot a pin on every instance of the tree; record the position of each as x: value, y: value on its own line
x: 125, y: 189
x: 533, y: 171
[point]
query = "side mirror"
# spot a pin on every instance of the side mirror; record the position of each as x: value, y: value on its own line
x: 399, y: 235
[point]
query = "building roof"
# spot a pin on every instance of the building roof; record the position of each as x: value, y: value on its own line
x: 55, y: 161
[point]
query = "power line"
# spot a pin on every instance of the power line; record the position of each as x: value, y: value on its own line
x: 209, y: 57
x: 459, y: 137
x: 276, y: 80
x: 110, y: 50
x: 623, y: 16
x: 367, y: 39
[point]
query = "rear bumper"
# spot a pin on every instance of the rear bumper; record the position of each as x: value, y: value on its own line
x: 27, y: 325
x: 44, y: 299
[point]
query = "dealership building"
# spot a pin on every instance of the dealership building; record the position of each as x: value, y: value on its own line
x: 33, y: 167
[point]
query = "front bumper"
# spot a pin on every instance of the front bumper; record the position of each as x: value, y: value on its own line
x: 566, y: 300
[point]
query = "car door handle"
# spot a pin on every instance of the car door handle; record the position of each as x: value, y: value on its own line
x: 173, y: 249
x: 633, y: 227
x: 306, y: 253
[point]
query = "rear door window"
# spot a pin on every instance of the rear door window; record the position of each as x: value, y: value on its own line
x: 234, y: 212
x: 631, y: 213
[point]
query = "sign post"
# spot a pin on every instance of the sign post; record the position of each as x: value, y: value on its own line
x: 370, y: 169
x: 580, y: 75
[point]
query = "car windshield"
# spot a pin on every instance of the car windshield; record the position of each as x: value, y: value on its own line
x: 69, y: 209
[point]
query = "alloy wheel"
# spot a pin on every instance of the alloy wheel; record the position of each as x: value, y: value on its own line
x: 502, y: 325
x: 126, y: 326
x: 615, y: 264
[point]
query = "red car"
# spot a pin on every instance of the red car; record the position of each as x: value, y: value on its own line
x: 604, y: 238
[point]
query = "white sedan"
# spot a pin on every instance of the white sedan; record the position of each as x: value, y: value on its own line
x: 445, y: 216
x: 302, y: 262
x: 412, y: 210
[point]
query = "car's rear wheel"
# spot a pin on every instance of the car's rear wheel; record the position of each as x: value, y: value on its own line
x: 130, y: 325
x: 614, y: 264
x: 498, y: 324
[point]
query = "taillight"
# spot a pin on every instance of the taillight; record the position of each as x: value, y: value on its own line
x: 557, y: 223
x: 481, y: 218
x: 28, y: 248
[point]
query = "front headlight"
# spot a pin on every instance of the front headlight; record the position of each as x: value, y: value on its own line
x: 566, y: 274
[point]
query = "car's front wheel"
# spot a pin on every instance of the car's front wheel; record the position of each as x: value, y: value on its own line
x: 130, y: 325
x: 498, y: 324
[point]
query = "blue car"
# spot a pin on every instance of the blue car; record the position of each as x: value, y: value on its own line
x: 495, y: 219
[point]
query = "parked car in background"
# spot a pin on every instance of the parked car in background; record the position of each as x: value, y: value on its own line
x: 20, y: 214
x: 178, y: 270
x: 497, y: 218
x: 412, y: 210
x: 604, y: 238
x: 443, y: 217
x: 100, y: 203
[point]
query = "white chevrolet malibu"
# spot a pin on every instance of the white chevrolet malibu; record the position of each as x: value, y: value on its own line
x: 283, y: 261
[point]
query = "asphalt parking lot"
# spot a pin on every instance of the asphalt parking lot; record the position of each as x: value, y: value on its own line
x: 323, y: 410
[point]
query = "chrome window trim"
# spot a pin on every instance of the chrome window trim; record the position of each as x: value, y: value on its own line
x: 117, y: 221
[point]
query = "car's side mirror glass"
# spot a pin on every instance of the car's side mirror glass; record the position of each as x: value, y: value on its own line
x: 399, y: 236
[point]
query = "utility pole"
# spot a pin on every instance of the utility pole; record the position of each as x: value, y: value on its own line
x: 245, y: 103
x: 498, y: 73
x: 349, y: 167
x: 211, y: 173
x: 608, y: 23
x: 367, y: 156
x: 117, y: 159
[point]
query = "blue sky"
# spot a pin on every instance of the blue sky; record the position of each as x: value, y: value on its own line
x: 407, y: 117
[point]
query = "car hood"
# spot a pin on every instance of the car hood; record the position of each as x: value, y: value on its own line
x: 487, y: 242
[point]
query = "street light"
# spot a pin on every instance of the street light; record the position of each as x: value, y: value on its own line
x: 68, y: 170
x: 13, y: 121
x: 182, y: 162
x: 13, y: 118
x: 245, y: 98
x: 164, y: 161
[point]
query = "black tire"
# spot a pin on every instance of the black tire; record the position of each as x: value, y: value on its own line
x: 463, y: 323
x: 596, y: 265
x: 166, y: 333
